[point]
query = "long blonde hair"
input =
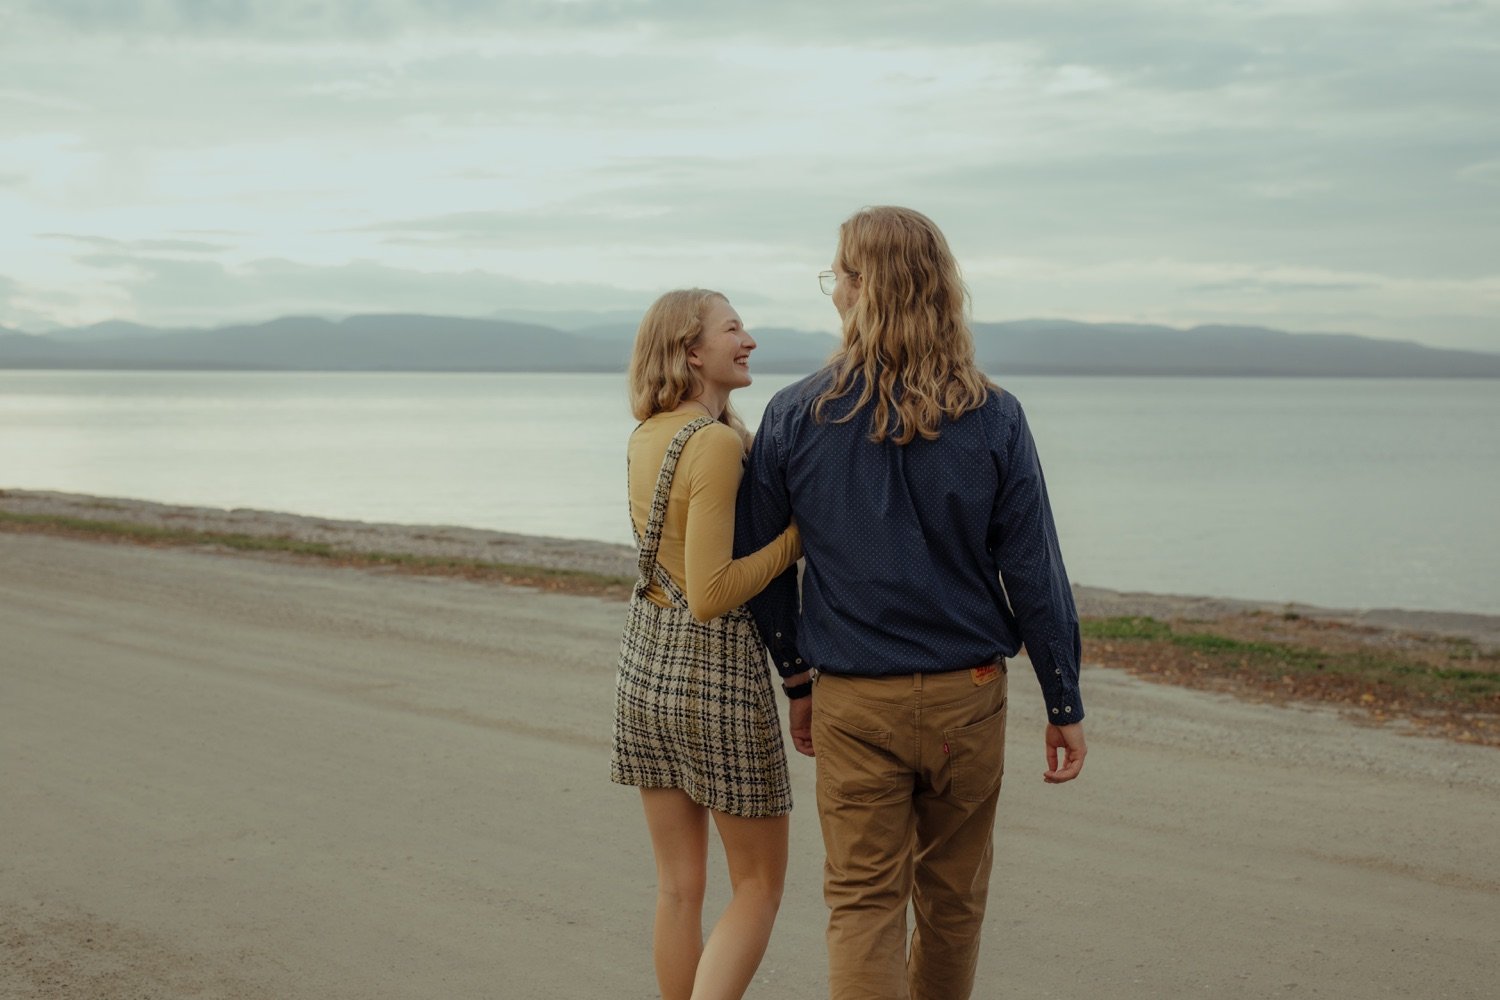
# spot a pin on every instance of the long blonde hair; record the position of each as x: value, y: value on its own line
x: 906, y: 332
x: 659, y: 377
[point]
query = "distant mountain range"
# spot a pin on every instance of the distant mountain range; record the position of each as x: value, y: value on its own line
x: 445, y: 343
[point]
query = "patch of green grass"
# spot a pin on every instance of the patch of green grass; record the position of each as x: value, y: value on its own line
x: 145, y: 534
x: 1408, y: 675
x: 1461, y: 650
x: 1124, y: 628
x: 1207, y: 642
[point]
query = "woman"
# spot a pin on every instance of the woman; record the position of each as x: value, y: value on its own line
x: 695, y: 720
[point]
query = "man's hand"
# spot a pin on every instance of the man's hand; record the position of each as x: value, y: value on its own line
x: 1068, y: 739
x: 799, y: 715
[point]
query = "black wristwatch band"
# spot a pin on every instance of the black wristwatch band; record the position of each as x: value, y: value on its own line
x: 802, y: 690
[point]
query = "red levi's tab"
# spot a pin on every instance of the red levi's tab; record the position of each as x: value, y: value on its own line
x: 985, y: 674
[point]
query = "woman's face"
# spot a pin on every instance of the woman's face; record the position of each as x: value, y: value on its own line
x: 721, y: 358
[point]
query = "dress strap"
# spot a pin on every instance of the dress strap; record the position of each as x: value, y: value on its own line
x: 652, y: 542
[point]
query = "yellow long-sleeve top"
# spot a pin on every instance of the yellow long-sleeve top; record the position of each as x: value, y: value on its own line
x: 697, y: 542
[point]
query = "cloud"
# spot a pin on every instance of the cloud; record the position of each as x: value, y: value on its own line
x: 652, y: 203
x: 173, y: 291
x: 1484, y: 171
x: 1094, y: 28
x: 1264, y: 287
x: 158, y: 245
x: 1282, y: 195
x: 30, y: 309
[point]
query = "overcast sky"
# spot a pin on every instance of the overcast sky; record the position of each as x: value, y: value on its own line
x: 1307, y: 165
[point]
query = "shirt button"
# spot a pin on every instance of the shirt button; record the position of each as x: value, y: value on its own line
x: 799, y: 659
x: 1054, y: 711
x: 785, y: 664
x: 1058, y: 672
x: 1069, y: 709
x: 778, y: 635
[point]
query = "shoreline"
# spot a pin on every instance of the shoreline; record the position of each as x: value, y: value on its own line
x: 613, y: 563
x: 1429, y: 673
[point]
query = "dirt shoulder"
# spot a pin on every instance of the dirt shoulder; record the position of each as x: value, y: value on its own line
x: 1438, y: 672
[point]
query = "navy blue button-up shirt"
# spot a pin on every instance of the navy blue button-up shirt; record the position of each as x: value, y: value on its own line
x: 924, y: 557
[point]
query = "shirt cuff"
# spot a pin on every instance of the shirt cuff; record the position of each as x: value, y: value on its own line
x: 1064, y: 711
x: 1063, y: 707
x: 784, y: 655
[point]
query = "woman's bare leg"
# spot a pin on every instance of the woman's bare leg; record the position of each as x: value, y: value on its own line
x: 679, y: 839
x: 756, y: 851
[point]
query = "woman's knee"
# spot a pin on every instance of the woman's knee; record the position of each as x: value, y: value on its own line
x: 682, y: 888
x: 762, y: 887
x: 769, y: 896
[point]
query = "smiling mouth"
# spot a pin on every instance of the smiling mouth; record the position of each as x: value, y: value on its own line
x: 743, y: 360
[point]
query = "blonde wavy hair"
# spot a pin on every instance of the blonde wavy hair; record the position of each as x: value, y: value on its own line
x: 906, y: 333
x: 659, y: 377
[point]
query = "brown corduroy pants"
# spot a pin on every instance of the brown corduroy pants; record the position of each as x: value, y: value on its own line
x: 909, y: 771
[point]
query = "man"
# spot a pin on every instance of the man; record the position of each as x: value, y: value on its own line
x: 931, y: 557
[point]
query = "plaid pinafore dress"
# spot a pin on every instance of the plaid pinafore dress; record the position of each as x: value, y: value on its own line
x: 694, y: 707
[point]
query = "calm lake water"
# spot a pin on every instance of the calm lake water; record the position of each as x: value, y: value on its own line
x: 1350, y: 493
